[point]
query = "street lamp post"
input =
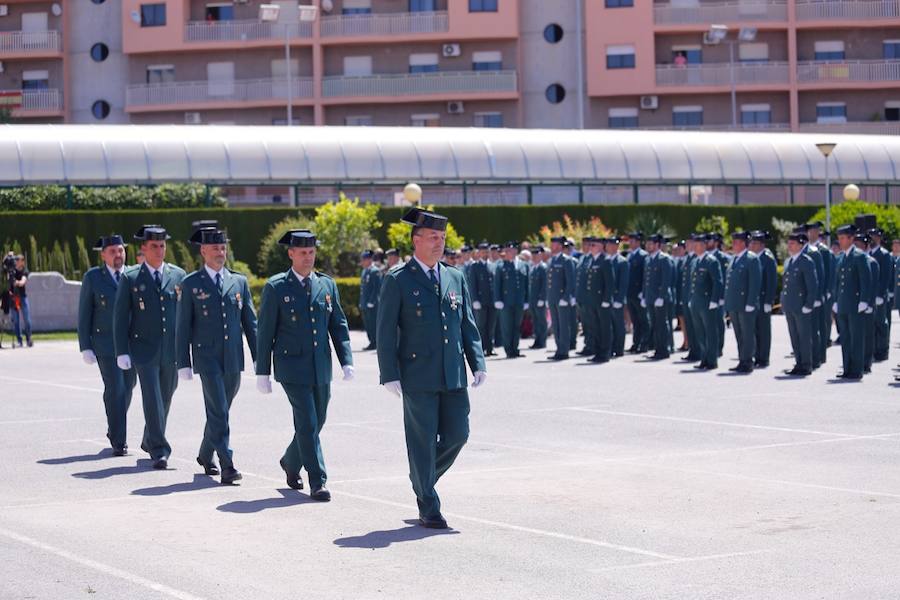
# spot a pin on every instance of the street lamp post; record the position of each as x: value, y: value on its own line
x: 826, y: 148
x: 715, y: 36
x: 269, y: 13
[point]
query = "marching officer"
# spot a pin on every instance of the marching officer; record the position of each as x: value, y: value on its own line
x: 620, y: 269
x: 510, y: 299
x: 211, y: 346
x: 853, y: 283
x: 426, y: 334
x: 883, y: 290
x: 144, y: 320
x: 537, y: 297
x: 799, y: 291
x: 561, y: 296
x: 707, y: 289
x: 640, y: 323
x: 298, y: 312
x: 95, y: 337
x: 742, y: 283
x: 369, y: 289
x: 601, y: 286
x: 767, y: 290
x: 481, y: 279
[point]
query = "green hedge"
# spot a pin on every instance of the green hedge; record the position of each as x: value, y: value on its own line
x: 348, y: 289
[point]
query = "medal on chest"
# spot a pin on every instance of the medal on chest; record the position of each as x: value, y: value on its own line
x: 240, y: 303
x: 453, y: 301
x: 328, y: 302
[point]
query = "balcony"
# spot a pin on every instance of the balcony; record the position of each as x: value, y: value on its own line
x: 848, y: 71
x: 732, y: 11
x: 385, y: 24
x: 23, y: 102
x: 858, y: 127
x: 719, y: 74
x: 413, y: 84
x: 190, y: 93
x: 825, y: 10
x: 758, y: 127
x: 30, y: 42
x: 243, y: 31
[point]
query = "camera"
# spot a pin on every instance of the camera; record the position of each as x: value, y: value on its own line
x: 9, y: 263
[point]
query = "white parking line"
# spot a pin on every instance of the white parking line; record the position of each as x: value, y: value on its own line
x: 678, y: 561
x: 50, y: 384
x: 60, y: 420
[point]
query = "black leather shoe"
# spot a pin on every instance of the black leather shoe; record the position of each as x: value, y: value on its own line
x: 120, y: 451
x: 293, y: 479
x: 436, y: 522
x: 369, y: 347
x: 700, y: 367
x: 160, y: 464
x: 744, y: 369
x: 760, y: 365
x: 560, y: 357
x: 854, y: 377
x: 230, y: 476
x: 209, y: 468
x: 599, y: 360
x: 320, y: 494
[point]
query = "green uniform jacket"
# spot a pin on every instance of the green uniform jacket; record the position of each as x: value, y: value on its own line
x: 658, y: 277
x: 622, y: 272
x: 297, y: 334
x: 582, y: 270
x: 481, y: 280
x: 537, y: 284
x: 800, y: 285
x: 769, y: 282
x: 742, y: 282
x: 560, y: 279
x: 95, y: 312
x: 853, y: 281
x: 369, y: 286
x: 636, y: 260
x: 425, y: 337
x: 601, y: 282
x: 885, y: 282
x: 827, y: 267
x: 508, y: 286
x: 707, y: 282
x: 144, y: 321
x: 819, y: 262
x: 209, y: 325
x: 685, y: 274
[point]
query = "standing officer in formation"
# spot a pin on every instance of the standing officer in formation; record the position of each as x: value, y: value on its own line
x: 144, y: 331
x: 799, y: 290
x: 853, y: 282
x: 584, y: 312
x: 767, y: 290
x: 684, y: 294
x: 656, y: 295
x: 214, y: 307
x: 742, y: 283
x: 601, y: 286
x: 714, y: 243
x: 680, y: 257
x: 510, y: 298
x: 707, y: 291
x: 537, y: 297
x: 426, y: 334
x: 813, y: 232
x: 640, y: 323
x: 95, y: 337
x: 561, y: 297
x: 392, y: 259
x: 299, y: 310
x: 369, y: 289
x: 481, y: 280
x: 861, y: 240
x: 883, y: 290
x: 620, y: 277
x: 494, y: 315
x: 819, y: 306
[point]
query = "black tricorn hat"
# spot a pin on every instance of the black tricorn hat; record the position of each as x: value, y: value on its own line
x: 204, y: 224
x: 760, y: 236
x: 392, y: 252
x: 559, y: 239
x: 637, y: 235
x: 422, y: 218
x: 109, y: 240
x: 658, y: 238
x: 151, y: 232
x: 741, y: 235
x: 847, y: 230
x: 208, y: 235
x: 299, y: 238
x: 798, y: 236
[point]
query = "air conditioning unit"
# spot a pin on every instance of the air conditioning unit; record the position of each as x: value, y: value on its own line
x: 192, y: 118
x: 240, y: 1
x: 4, y: 10
x: 456, y: 107
x: 649, y: 102
x: 451, y: 50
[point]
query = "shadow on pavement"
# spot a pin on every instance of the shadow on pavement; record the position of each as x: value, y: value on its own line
x: 142, y: 465
x: 67, y: 460
x: 382, y: 539
x: 200, y: 482
x: 289, y: 498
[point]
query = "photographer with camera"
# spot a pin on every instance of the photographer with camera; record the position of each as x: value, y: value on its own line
x: 16, y: 298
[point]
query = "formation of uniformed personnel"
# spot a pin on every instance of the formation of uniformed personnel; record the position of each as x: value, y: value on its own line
x: 852, y: 286
x: 767, y: 290
x: 480, y: 278
x: 537, y: 297
x: 819, y: 349
x: 621, y: 273
x: 214, y: 309
x: 656, y: 295
x: 300, y: 316
x: 426, y: 335
x: 510, y: 297
x: 813, y: 232
x: 685, y: 274
x: 799, y: 291
x: 561, y: 296
x: 144, y: 321
x: 883, y: 290
x: 95, y: 337
x: 598, y: 305
x: 582, y: 310
x: 742, y: 283
x: 707, y: 291
x: 640, y: 322
x: 861, y: 241
x: 369, y: 290
x: 714, y: 243
x: 681, y: 259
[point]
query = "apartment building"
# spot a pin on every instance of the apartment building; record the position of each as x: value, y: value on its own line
x: 798, y: 65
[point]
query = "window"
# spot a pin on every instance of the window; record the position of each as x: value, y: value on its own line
x: 99, y: 52
x: 35, y: 80
x: 756, y: 114
x: 427, y: 120
x: 892, y: 49
x: 283, y: 121
x: 98, y: 1
x: 160, y: 73
x: 553, y: 33
x: 356, y: 7
x: 220, y: 12
x: 358, y: 121
x: 620, y: 57
x: 687, y: 116
x: 619, y: 3
x: 423, y: 63
x: 753, y: 53
x: 153, y: 15
x: 357, y: 66
x: 483, y: 5
x: 829, y: 51
x: 487, y: 61
x: 280, y: 72
x: 892, y: 110
x: 831, y: 112
x: 488, y: 119
x: 555, y: 93
x: 422, y: 6
x: 690, y: 55
x: 100, y: 109
x: 623, y: 118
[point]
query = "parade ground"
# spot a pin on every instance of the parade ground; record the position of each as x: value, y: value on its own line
x: 625, y: 480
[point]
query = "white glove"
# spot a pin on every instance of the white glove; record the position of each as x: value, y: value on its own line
x: 834, y: 308
x: 348, y: 372
x: 721, y: 303
x: 805, y: 310
x: 890, y: 296
x: 604, y: 304
x: 540, y: 304
x: 480, y: 377
x: 263, y: 384
x: 817, y: 304
x: 749, y: 308
x: 640, y: 295
x: 394, y: 388
x: 713, y: 306
x: 879, y: 300
x: 525, y: 306
x: 124, y: 362
x: 498, y: 305
x: 369, y: 305
x: 870, y: 310
x: 643, y: 303
x: 617, y: 305
x: 186, y: 374
x: 659, y: 302
x: 862, y: 307
x: 254, y: 367
x: 767, y: 308
x: 572, y: 301
x: 562, y: 302
x: 88, y: 357
x: 828, y: 296
x: 476, y: 305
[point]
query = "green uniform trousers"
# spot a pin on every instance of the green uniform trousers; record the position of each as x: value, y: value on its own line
x: 587, y: 316
x: 562, y: 328
x: 310, y: 405
x: 117, y: 388
x: 816, y: 333
x: 483, y: 322
x: 370, y: 322
x: 618, y: 325
x: 640, y: 325
x: 800, y: 329
x: 511, y: 328
x: 744, y: 325
x: 706, y: 326
x: 603, y: 332
x: 869, y: 344
x: 764, y: 337
x: 661, y: 329
x: 158, y: 383
x: 882, y: 340
x: 539, y: 319
x: 219, y: 390
x: 853, y: 333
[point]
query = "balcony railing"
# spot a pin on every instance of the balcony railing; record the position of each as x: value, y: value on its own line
x: 250, y: 30
x: 860, y: 127
x: 407, y: 84
x: 30, y: 41
x: 847, y: 9
x: 20, y: 101
x: 848, y: 71
x: 196, y: 92
x: 385, y: 24
x: 720, y: 74
x: 705, y: 13
x: 728, y: 127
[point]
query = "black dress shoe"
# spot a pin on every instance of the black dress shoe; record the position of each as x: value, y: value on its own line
x: 209, y: 468
x: 560, y: 357
x: 854, y: 377
x: 293, y: 479
x: 120, y: 451
x: 230, y: 476
x: 584, y: 352
x: 436, y: 522
x: 701, y: 366
x: 760, y: 365
x: 599, y: 360
x: 370, y: 347
x: 320, y: 494
x: 744, y: 369
x: 160, y: 464
x: 657, y: 357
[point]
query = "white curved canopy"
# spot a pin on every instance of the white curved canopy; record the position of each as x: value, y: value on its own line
x: 141, y: 154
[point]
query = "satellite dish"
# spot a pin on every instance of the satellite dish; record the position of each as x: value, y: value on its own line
x: 56, y: 9
x: 136, y: 17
